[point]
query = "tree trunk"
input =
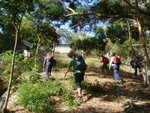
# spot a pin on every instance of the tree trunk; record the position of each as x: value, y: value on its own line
x: 12, y: 70
x: 143, y: 42
x: 37, y: 51
x: 130, y: 40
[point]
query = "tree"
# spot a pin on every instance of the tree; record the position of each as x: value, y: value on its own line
x: 114, y: 10
x: 16, y: 10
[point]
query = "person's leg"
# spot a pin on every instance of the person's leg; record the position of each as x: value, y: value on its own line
x: 116, y: 72
x: 48, y: 70
x: 107, y: 69
x: 78, y: 79
x: 135, y: 71
x: 79, y: 90
x: 102, y: 67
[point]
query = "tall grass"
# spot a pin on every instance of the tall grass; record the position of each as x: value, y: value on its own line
x: 39, y: 97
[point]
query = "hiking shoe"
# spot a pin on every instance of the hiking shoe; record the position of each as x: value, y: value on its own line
x: 80, y: 100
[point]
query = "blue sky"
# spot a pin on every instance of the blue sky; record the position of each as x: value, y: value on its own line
x: 101, y: 24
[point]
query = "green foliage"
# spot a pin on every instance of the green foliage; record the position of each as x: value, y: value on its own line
x: 21, y: 65
x: 38, y: 97
x: 34, y: 76
x: 34, y: 98
x: 88, y: 44
x: 130, y: 107
x: 53, y: 10
x: 72, y: 83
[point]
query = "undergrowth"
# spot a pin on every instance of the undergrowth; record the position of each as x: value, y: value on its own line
x: 38, y: 97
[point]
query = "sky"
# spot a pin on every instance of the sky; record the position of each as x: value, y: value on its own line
x: 66, y: 26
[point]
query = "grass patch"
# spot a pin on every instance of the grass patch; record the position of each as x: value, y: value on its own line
x: 38, y: 97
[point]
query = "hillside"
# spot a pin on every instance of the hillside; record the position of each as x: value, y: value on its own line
x: 106, y: 96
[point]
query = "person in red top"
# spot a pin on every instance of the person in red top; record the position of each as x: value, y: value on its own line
x: 105, y: 62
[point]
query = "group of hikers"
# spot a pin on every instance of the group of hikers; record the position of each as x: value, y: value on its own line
x: 114, y: 62
x: 78, y: 66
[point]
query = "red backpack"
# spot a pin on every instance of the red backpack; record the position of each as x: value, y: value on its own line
x: 117, y: 60
x: 106, y: 60
x: 29, y: 54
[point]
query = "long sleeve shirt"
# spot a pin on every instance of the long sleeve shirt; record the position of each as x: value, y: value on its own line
x: 111, y: 62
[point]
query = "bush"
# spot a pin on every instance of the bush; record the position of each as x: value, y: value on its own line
x: 38, y: 97
x: 34, y: 76
x: 34, y: 98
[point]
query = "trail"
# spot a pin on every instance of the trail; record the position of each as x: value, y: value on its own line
x: 110, y: 100
x: 114, y: 95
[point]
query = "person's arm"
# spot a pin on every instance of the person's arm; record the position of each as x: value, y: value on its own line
x: 67, y: 71
x: 70, y: 65
x: 110, y: 63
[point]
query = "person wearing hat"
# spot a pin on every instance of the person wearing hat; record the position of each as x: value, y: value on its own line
x: 78, y: 75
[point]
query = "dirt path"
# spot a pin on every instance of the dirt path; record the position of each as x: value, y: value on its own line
x: 114, y: 95
x: 110, y: 100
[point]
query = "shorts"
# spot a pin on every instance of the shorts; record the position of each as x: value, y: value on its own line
x: 79, y: 77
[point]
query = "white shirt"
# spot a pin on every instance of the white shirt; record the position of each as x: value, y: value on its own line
x: 25, y: 53
x: 111, y: 61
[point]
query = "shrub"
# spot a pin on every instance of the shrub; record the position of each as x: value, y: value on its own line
x: 130, y: 107
x: 34, y: 98
x: 34, y: 76
x: 38, y: 97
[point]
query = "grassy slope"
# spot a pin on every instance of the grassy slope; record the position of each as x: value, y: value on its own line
x: 111, y: 96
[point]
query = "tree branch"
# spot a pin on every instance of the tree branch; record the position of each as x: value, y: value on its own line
x: 132, y: 7
x: 100, y: 15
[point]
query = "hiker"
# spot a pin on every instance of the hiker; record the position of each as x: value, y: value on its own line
x: 49, y: 62
x: 26, y: 52
x: 115, y: 64
x: 105, y: 62
x: 135, y: 65
x: 78, y: 65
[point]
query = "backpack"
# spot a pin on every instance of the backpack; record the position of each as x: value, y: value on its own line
x: 134, y: 63
x: 81, y: 65
x: 106, y: 60
x: 29, y: 54
x: 117, y: 60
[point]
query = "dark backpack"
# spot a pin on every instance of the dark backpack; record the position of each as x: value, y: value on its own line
x: 81, y: 65
x: 134, y: 63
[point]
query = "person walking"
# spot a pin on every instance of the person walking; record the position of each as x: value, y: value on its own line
x: 48, y: 63
x: 105, y: 62
x: 115, y: 64
x: 135, y: 65
x: 78, y: 65
x: 26, y: 52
